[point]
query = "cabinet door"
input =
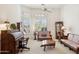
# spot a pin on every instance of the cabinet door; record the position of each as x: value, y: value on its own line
x: 58, y: 26
x: 18, y: 26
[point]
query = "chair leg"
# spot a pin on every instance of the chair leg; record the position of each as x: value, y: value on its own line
x: 26, y: 48
x: 77, y: 52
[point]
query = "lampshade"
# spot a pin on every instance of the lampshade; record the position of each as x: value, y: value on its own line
x: 63, y: 28
x: 3, y: 27
x: 66, y: 29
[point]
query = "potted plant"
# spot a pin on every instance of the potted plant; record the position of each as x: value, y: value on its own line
x: 13, y: 26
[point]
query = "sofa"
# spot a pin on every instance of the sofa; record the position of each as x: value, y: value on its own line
x: 72, y: 42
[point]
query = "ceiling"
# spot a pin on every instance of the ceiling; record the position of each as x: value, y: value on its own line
x: 50, y: 6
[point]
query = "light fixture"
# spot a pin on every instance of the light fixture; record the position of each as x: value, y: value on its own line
x: 44, y: 8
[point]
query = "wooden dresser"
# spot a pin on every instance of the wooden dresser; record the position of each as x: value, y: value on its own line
x: 10, y: 41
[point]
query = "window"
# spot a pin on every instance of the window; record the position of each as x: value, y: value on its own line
x: 26, y: 22
x: 41, y: 22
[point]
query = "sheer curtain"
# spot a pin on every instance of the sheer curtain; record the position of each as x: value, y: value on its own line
x: 41, y: 22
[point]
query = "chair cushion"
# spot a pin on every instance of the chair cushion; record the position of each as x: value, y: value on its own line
x: 44, y: 35
x: 71, y: 44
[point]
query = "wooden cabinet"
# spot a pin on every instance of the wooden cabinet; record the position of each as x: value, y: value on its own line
x: 58, y: 31
x: 18, y: 26
x: 10, y: 41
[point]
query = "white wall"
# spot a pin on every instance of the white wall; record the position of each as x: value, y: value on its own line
x: 70, y: 16
x: 14, y: 13
x: 52, y: 18
x: 10, y: 12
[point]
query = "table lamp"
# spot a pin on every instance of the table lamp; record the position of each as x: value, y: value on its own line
x: 3, y: 27
x: 66, y: 29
